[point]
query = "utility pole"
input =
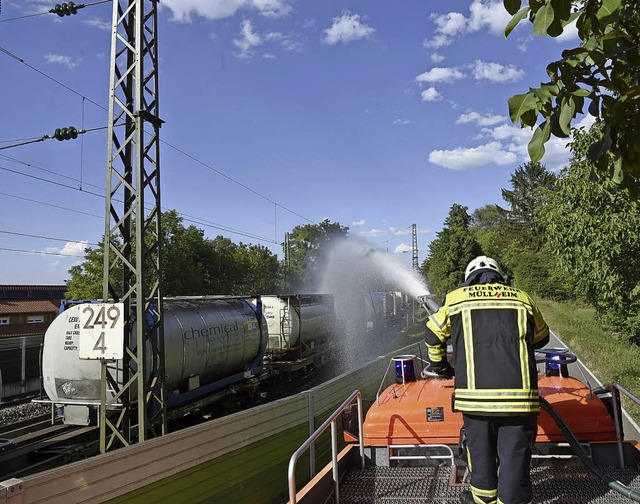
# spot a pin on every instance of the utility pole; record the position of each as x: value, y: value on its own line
x: 134, y: 387
x: 414, y: 247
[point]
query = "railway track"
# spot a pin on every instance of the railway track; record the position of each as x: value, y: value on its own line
x: 34, y: 445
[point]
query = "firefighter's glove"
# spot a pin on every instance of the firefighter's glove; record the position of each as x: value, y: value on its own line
x: 443, y: 369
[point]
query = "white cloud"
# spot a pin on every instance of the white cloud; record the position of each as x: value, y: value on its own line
x: 287, y: 43
x: 462, y: 158
x: 431, y: 95
x: 347, y: 28
x: 480, y: 120
x: 74, y: 248
x: 495, y: 72
x: 523, y: 43
x: 248, y: 41
x: 71, y: 249
x: 99, y: 23
x: 569, y: 33
x: 483, y: 14
x: 184, y: 10
x: 507, y: 141
x: 402, y: 121
x: 59, y: 59
x: 402, y: 248
x: 440, y: 74
x: 373, y: 233
x: 447, y: 27
x: 399, y: 232
x: 489, y: 14
x: 359, y: 223
x: 436, y: 57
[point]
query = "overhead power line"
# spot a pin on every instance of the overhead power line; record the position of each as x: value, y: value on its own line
x: 60, y: 8
x: 41, y: 252
x: 51, y: 205
x: 47, y: 237
x: 186, y: 217
x: 232, y: 179
x: 59, y: 134
x: 177, y: 149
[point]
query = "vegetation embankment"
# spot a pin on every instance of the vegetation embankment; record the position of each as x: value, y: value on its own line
x: 611, y: 360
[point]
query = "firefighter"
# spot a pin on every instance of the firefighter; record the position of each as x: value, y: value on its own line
x: 494, y: 330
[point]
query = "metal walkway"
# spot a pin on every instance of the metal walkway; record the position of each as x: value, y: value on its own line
x: 566, y: 484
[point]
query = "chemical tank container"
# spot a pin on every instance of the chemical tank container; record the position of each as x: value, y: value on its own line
x: 299, y: 322
x: 206, y: 339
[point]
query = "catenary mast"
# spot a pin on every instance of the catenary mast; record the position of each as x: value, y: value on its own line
x: 414, y: 247
x: 132, y: 259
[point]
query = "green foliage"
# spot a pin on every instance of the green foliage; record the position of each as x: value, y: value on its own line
x: 192, y: 265
x: 612, y: 360
x: 515, y: 237
x: 86, y: 278
x: 593, y: 231
x: 602, y: 70
x: 529, y: 185
x: 450, y: 252
x: 306, y: 245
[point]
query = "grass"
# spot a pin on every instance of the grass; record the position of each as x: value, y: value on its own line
x: 612, y: 360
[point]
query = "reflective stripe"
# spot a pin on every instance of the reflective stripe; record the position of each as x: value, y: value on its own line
x: 468, y: 348
x: 496, y: 394
x: 490, y: 304
x: 524, y: 358
x: 484, y: 493
x: 510, y: 407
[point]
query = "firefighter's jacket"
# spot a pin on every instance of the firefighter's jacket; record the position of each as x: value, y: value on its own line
x: 494, y: 329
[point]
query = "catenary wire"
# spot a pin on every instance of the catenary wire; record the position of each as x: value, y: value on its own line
x: 51, y: 205
x: 40, y: 252
x: 177, y: 149
x: 186, y: 217
x: 49, y: 12
x: 47, y: 237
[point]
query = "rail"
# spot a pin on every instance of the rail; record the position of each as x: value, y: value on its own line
x: 616, y: 388
x: 356, y: 394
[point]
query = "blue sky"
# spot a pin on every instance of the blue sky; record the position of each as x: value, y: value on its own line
x: 376, y: 114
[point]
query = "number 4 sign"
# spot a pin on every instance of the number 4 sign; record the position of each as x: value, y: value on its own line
x: 101, y: 331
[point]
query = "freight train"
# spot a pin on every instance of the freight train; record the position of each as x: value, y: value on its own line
x: 214, y: 346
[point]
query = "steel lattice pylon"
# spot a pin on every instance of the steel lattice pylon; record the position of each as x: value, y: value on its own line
x: 414, y: 247
x: 132, y: 265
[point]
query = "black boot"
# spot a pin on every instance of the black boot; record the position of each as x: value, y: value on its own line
x: 466, y: 497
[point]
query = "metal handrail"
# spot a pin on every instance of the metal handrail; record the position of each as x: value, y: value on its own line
x: 616, y: 388
x: 334, y: 446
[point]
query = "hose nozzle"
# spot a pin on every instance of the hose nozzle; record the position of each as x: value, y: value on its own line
x: 429, y: 303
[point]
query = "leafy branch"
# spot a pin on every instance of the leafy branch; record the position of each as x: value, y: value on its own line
x: 604, y: 70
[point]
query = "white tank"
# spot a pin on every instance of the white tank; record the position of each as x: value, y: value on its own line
x: 298, y: 321
x: 206, y: 339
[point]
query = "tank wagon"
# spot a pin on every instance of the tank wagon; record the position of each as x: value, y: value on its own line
x: 300, y: 329
x: 214, y: 346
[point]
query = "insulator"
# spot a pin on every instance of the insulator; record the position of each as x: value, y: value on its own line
x: 65, y: 133
x: 65, y: 9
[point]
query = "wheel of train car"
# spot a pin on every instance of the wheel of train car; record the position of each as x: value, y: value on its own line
x: 555, y: 356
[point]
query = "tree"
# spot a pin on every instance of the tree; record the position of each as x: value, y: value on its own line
x: 515, y: 236
x: 450, y: 252
x: 86, y: 278
x: 526, y: 197
x: 306, y: 245
x: 493, y: 231
x: 602, y: 70
x: 192, y: 265
x: 186, y: 254
x: 593, y: 231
